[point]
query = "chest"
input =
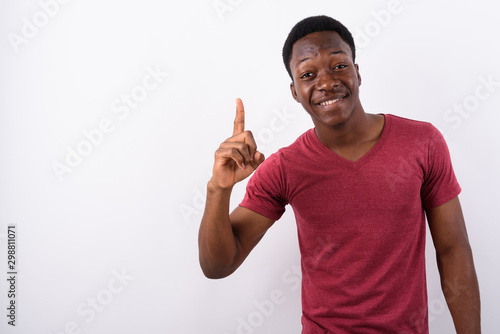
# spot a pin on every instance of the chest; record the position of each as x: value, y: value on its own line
x: 381, y: 194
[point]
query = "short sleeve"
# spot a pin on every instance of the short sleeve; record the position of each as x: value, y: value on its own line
x: 264, y: 192
x: 440, y: 183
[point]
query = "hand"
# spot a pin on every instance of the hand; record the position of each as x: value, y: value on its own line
x: 237, y: 157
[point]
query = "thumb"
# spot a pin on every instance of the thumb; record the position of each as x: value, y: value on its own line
x: 258, y: 158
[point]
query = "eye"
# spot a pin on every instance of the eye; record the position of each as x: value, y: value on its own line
x: 339, y: 67
x: 306, y: 75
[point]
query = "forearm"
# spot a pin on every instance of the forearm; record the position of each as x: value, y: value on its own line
x: 216, y: 241
x: 461, y: 289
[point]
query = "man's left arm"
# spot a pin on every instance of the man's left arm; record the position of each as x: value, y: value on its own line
x: 456, y: 266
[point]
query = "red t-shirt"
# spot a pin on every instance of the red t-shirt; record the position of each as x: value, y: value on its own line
x: 361, y: 225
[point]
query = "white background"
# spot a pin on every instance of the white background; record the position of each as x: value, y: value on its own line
x: 132, y: 205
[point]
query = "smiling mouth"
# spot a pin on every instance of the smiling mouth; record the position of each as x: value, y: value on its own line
x: 330, y: 101
x: 327, y: 103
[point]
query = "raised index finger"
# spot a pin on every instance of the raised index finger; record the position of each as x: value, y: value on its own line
x: 239, y: 120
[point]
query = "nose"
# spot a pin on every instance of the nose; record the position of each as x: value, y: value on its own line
x: 327, y: 81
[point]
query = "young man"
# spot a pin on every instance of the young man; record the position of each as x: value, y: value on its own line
x: 360, y: 186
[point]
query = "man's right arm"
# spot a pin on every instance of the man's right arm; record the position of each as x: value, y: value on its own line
x: 225, y: 240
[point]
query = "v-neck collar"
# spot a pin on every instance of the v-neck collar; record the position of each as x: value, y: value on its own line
x: 365, y: 158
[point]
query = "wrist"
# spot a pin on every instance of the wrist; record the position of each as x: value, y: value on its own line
x: 212, y: 186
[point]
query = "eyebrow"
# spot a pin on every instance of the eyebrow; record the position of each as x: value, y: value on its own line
x: 331, y: 53
x: 337, y: 52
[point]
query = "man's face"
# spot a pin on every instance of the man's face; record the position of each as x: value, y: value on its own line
x: 325, y: 79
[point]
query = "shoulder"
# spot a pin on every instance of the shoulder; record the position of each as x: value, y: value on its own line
x: 405, y: 129
x: 410, y: 125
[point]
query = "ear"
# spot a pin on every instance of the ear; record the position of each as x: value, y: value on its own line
x: 294, y: 92
x: 357, y: 73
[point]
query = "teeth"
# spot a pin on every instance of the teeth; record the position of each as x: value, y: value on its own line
x: 326, y: 103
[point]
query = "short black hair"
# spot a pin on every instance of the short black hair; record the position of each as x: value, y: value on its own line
x: 310, y: 25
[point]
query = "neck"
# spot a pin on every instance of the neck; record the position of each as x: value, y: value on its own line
x: 359, y: 128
